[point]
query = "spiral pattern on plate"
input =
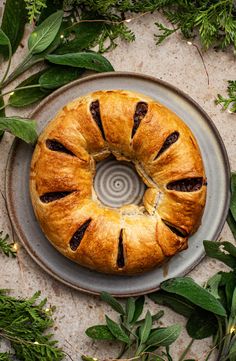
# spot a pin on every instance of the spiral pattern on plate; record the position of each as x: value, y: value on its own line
x: 117, y: 184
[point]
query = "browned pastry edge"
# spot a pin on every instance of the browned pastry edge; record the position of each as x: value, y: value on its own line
x: 130, y: 239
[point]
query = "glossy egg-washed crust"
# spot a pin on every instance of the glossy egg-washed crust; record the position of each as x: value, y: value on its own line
x: 132, y: 238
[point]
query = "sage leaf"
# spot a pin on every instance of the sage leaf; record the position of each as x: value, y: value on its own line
x: 139, y: 303
x: 175, y: 302
x: 229, y: 279
x: 164, y: 336
x: 4, y: 40
x: 45, y: 33
x: 13, y: 24
x: 24, y: 129
x: 100, y: 332
x: 232, y: 224
x: 116, y: 330
x: 233, y: 305
x: 233, y: 195
x: 57, y: 76
x: 84, y: 36
x: 155, y: 317
x: 87, y: 60
x: 187, y: 288
x: 25, y: 97
x: 232, y: 352
x: 220, y: 251
x: 201, y: 324
x: 145, y: 328
x: 213, y: 285
x: 130, y: 308
x: 2, y: 114
x: 110, y: 300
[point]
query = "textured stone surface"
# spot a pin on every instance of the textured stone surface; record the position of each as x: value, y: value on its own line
x: 180, y: 64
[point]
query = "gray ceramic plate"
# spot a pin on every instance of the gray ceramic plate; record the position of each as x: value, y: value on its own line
x: 217, y: 170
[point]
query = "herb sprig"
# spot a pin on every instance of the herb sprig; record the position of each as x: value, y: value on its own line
x: 23, y: 324
x: 6, y: 247
x: 139, y: 337
x: 230, y: 101
x: 51, y: 34
x: 209, y: 310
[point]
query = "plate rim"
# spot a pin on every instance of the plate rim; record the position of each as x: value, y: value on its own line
x: 16, y: 142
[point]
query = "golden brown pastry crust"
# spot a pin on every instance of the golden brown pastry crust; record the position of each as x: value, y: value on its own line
x: 145, y: 233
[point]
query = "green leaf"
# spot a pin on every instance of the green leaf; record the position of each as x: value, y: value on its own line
x: 217, y: 250
x: 232, y: 224
x: 100, y: 332
x: 13, y: 24
x: 130, y: 308
x: 233, y: 305
x: 57, y: 76
x: 6, y: 247
x: 175, y: 302
x: 116, y: 330
x: 139, y: 303
x: 91, y: 61
x: 25, y: 97
x: 233, y: 195
x: 232, y: 352
x: 2, y: 114
x: 187, y: 288
x: 164, y: 336
x: 145, y: 328
x: 201, y: 324
x: 24, y: 129
x: 3, y: 38
x: 45, y: 33
x: 106, y: 297
x: 155, y: 317
x: 213, y: 285
x: 228, y: 279
x: 84, y: 36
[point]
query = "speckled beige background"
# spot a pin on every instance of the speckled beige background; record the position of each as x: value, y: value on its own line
x: 179, y: 64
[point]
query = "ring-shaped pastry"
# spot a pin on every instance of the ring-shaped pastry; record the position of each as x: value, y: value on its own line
x: 135, y: 128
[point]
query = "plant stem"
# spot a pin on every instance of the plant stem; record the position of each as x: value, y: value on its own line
x: 186, y: 350
x: 18, y: 71
x: 4, y: 106
x: 9, y: 63
x: 122, y: 351
x: 21, y: 88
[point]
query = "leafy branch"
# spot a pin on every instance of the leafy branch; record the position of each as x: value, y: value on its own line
x: 229, y: 102
x: 137, y: 336
x: 45, y: 39
x: 6, y: 247
x: 23, y: 323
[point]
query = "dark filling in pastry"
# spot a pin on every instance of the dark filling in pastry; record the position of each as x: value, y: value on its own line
x: 77, y: 237
x: 178, y: 231
x: 95, y: 111
x: 186, y: 185
x: 53, y: 196
x: 56, y: 146
x: 120, y: 256
x: 140, y: 112
x: 172, y: 138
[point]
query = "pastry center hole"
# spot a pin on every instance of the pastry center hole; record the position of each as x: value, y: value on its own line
x: 117, y: 183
